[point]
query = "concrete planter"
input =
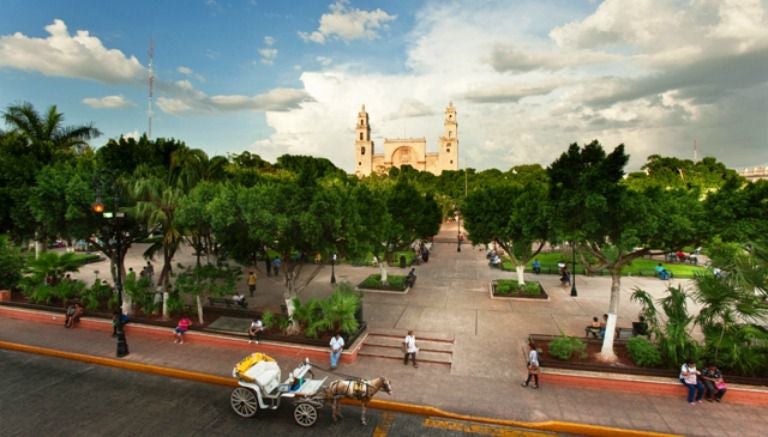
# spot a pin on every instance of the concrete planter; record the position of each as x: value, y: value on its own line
x: 543, y: 296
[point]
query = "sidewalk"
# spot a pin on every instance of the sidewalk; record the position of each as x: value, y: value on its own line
x: 451, y: 298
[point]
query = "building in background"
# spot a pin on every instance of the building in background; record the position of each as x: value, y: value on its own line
x: 407, y: 151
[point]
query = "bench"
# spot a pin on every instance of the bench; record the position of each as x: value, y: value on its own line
x: 593, y: 331
x: 227, y: 301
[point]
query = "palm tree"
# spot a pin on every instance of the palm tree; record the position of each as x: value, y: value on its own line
x: 47, y: 139
x: 157, y: 204
x: 46, y: 136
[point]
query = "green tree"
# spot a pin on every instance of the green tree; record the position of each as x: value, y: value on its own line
x: 207, y: 280
x: 157, y: 205
x: 40, y: 139
x: 615, y: 224
x: 11, y: 264
x: 513, y: 215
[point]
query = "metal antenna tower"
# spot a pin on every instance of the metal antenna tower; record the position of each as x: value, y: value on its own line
x: 151, y: 86
x: 695, y: 151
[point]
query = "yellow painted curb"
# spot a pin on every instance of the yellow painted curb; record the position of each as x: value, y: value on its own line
x: 401, y: 407
x: 121, y: 364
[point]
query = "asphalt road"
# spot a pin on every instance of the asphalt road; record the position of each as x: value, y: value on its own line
x: 49, y: 396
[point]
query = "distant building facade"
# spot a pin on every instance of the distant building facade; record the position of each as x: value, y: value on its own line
x: 755, y: 174
x: 407, y: 151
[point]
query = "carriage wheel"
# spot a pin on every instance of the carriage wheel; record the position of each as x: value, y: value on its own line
x: 305, y: 414
x: 244, y: 402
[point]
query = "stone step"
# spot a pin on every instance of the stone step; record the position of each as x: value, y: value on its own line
x: 396, y: 354
x: 420, y: 336
x: 396, y: 342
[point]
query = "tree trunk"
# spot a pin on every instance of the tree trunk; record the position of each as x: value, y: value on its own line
x: 199, y: 309
x: 520, y: 269
x: 165, y: 282
x: 606, y: 353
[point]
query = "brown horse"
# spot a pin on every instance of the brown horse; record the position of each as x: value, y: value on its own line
x: 358, y: 389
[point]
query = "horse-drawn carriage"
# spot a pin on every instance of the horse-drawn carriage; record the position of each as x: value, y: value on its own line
x: 259, y: 388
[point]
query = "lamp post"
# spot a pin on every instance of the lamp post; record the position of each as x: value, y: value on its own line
x: 98, y: 208
x: 574, y: 293
x: 458, y: 232
x: 333, y: 270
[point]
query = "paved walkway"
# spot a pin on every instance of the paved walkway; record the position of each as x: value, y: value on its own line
x: 451, y: 297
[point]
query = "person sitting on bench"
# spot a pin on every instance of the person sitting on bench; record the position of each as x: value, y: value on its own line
x: 239, y: 299
x: 495, y: 261
x: 661, y: 272
x: 74, y: 311
x: 593, y: 329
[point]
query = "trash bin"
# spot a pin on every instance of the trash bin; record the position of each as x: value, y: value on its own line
x: 402, y: 261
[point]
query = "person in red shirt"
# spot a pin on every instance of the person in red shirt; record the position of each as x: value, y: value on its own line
x: 181, y: 328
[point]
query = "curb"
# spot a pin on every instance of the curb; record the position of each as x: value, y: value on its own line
x: 738, y: 395
x: 98, y: 324
x: 401, y: 407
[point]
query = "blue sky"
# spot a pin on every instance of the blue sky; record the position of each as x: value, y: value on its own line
x: 527, y: 78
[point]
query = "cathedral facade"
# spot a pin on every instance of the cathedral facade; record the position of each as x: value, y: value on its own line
x: 407, y: 151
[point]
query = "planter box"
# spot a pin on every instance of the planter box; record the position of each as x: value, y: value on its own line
x: 5, y: 295
x: 382, y: 289
x: 622, y: 368
x: 543, y: 296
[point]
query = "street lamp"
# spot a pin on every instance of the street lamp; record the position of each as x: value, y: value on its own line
x: 458, y: 232
x: 333, y: 271
x: 98, y: 208
x: 574, y: 293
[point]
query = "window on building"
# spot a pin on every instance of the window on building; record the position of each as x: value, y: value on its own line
x: 448, y: 150
x: 451, y: 161
x: 361, y: 136
x: 362, y: 150
x: 359, y: 164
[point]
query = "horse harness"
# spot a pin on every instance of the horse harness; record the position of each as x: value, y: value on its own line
x: 356, y: 389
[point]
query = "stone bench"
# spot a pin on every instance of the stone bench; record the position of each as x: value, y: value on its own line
x: 228, y: 301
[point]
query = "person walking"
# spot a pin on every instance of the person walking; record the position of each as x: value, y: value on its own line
x: 276, y: 265
x: 118, y: 328
x: 256, y: 330
x: 252, y: 283
x: 533, y: 366
x: 410, y: 349
x: 337, y: 345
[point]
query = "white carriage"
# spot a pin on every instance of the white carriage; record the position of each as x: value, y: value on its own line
x: 260, y: 387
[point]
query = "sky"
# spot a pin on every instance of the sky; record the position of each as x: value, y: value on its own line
x: 528, y: 78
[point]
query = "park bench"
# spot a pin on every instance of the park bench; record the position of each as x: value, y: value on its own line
x: 592, y: 330
x: 228, y: 301
x: 621, y: 333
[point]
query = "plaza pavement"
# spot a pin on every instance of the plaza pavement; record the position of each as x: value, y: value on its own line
x: 450, y: 300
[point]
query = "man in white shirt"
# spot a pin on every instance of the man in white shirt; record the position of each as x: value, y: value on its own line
x: 409, y: 346
x: 689, y: 376
x: 337, y: 345
x: 256, y: 330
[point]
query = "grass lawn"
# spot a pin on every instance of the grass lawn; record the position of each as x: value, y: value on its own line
x: 367, y: 260
x: 505, y: 287
x: 639, y: 267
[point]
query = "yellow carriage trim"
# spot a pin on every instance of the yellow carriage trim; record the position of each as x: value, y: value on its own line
x: 250, y: 361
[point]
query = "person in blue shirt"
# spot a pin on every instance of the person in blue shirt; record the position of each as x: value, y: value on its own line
x: 661, y: 272
x: 536, y: 266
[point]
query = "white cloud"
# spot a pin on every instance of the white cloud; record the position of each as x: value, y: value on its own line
x: 186, y: 71
x: 324, y: 60
x: 80, y: 56
x: 270, y: 41
x: 197, y: 102
x: 650, y: 74
x: 348, y: 24
x: 108, y: 102
x: 268, y: 55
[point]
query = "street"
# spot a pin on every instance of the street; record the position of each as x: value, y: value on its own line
x: 48, y: 396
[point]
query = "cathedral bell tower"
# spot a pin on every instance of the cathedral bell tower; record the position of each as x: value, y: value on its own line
x: 363, y: 145
x: 449, y: 142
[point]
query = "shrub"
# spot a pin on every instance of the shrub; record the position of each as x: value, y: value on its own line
x: 563, y: 347
x: 394, y: 282
x: 643, y: 352
x: 268, y: 318
x: 509, y: 286
x: 11, y: 264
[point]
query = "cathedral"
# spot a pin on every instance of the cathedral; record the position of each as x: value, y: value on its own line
x: 407, y: 151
